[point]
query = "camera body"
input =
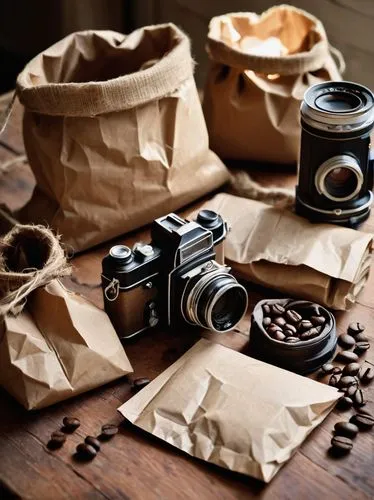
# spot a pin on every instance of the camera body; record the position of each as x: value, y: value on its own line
x: 335, y: 174
x: 174, y: 280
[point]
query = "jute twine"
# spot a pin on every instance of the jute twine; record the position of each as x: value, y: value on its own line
x: 30, y: 257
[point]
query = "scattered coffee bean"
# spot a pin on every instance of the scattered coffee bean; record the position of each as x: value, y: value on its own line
x: 280, y: 321
x: 266, y: 321
x: 292, y: 340
x: 346, y: 341
x: 333, y: 381
x: 342, y: 444
x: 108, y: 431
x: 305, y: 324
x: 347, y: 381
x: 351, y: 369
x: 363, y: 421
x: 139, y: 383
x: 350, y: 391
x: 288, y: 333
x: 279, y: 336
x: 310, y: 334
x: 92, y: 441
x: 337, y: 370
x: 86, y: 451
x: 345, y: 403
x: 266, y: 309
x: 367, y: 375
x: 358, y: 398
x: 347, y: 429
x: 355, y: 328
x: 276, y: 310
x: 290, y: 327
x: 347, y: 357
x: 361, y: 347
x: 58, y: 438
x: 293, y: 316
x: 71, y: 424
x: 361, y: 337
x: 327, y: 368
x: 318, y: 320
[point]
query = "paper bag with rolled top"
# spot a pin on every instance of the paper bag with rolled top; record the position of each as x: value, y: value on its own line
x: 273, y: 247
x: 226, y: 408
x: 57, y: 344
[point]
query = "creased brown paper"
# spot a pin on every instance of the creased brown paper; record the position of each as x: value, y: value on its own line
x: 261, y: 67
x: 226, y: 408
x: 324, y: 263
x: 114, y: 133
x: 61, y: 346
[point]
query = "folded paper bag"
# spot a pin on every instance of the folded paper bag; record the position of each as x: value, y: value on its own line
x: 226, y: 408
x: 273, y: 247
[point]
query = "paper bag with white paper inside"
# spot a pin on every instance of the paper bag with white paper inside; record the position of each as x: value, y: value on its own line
x: 323, y: 263
x: 226, y: 408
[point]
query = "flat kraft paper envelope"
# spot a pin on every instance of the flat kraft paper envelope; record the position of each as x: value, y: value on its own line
x: 231, y: 410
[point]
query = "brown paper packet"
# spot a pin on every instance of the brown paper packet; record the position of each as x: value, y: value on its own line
x: 324, y: 263
x: 60, y: 347
x: 226, y: 408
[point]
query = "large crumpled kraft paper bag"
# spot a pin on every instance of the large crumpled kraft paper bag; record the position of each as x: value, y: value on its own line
x: 323, y: 263
x: 114, y: 133
x: 60, y: 346
x: 226, y: 408
x: 261, y: 66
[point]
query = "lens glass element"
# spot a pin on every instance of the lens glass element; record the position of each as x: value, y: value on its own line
x: 338, y: 102
x: 341, y: 182
x: 228, y: 309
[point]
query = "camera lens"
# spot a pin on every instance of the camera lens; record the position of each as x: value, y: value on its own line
x: 338, y: 102
x: 216, y: 301
x: 339, y: 178
x: 341, y: 182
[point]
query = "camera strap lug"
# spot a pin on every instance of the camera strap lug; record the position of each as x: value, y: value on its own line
x: 111, y: 291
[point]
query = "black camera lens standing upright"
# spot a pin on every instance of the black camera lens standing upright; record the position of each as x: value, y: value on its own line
x: 335, y: 175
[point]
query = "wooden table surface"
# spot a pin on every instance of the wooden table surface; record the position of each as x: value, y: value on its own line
x: 134, y: 465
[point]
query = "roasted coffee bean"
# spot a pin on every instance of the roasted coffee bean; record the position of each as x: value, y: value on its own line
x: 315, y: 310
x: 346, y: 341
x: 347, y: 429
x: 342, y: 444
x: 327, y: 368
x: 361, y: 337
x: 276, y: 310
x: 266, y: 321
x: 70, y: 424
x: 92, y: 441
x: 139, y: 383
x: 293, y: 316
x: 337, y: 370
x: 351, y: 369
x: 288, y: 333
x: 333, y: 381
x: 290, y: 327
x: 58, y: 438
x: 355, y: 328
x: 366, y: 375
x: 318, y: 320
x: 266, y: 309
x: 347, y: 357
x: 361, y: 347
x: 358, y: 398
x: 279, y: 336
x: 347, y: 381
x: 292, y: 340
x: 363, y: 421
x: 309, y: 334
x: 86, y: 451
x: 108, y: 431
x: 304, y: 324
x: 345, y: 403
x: 279, y: 321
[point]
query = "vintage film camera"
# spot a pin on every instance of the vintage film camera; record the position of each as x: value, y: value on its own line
x: 335, y: 177
x: 174, y: 280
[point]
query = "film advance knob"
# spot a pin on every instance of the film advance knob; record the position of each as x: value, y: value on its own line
x: 207, y: 218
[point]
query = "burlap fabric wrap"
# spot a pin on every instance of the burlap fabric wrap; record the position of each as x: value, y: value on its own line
x: 53, y: 343
x: 260, y: 68
x: 114, y: 132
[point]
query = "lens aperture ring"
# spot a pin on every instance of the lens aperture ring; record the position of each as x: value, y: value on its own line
x: 344, y: 162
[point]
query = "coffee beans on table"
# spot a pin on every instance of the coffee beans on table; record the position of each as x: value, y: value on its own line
x: 350, y: 391
x: 347, y: 429
x: 345, y: 403
x: 334, y: 380
x: 347, y: 381
x: 361, y: 337
x: 139, y: 383
x: 327, y: 368
x: 58, y: 438
x: 108, y: 431
x: 351, y: 369
x: 92, y: 441
x: 86, y: 451
x: 364, y: 421
x: 366, y: 375
x: 355, y: 328
x: 358, y: 398
x: 342, y: 444
x: 361, y: 347
x: 347, y: 357
x: 346, y: 341
x: 70, y: 424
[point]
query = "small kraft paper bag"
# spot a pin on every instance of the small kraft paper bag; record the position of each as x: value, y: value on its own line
x: 58, y: 345
x: 261, y: 67
x: 114, y: 133
x: 226, y: 408
x: 273, y: 247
